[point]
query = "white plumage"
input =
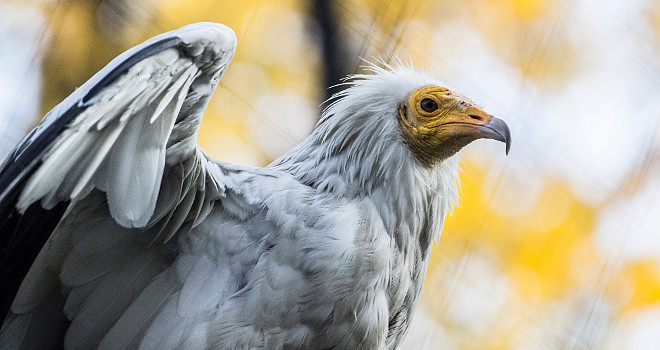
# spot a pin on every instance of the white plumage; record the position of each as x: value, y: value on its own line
x: 158, y: 246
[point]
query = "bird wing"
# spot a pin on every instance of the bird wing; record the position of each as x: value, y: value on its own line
x: 117, y: 157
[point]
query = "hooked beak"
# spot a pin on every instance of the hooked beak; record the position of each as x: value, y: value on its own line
x: 496, y: 129
x: 489, y: 127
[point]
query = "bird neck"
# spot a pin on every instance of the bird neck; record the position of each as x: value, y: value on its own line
x: 411, y: 199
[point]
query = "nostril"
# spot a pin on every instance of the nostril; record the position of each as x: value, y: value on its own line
x: 474, y: 116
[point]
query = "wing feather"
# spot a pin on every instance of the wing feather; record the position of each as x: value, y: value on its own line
x: 121, y: 151
x: 127, y: 331
x: 200, y: 287
x: 110, y: 298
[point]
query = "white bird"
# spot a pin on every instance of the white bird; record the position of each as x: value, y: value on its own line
x: 119, y: 232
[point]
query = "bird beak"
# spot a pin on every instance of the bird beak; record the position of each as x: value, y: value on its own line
x: 489, y: 127
x: 497, y: 129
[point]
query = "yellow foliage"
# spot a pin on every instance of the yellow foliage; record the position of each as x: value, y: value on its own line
x: 537, y: 250
x: 643, y: 277
x: 528, y: 9
x: 74, y: 54
x: 654, y: 15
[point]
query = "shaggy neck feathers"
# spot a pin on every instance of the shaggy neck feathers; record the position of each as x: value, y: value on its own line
x: 357, y: 150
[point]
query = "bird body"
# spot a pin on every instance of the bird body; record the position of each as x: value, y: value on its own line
x: 149, y: 243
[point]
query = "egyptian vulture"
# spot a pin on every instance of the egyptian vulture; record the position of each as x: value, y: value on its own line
x: 119, y: 232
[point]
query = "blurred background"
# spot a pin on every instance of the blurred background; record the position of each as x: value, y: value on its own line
x: 554, y: 247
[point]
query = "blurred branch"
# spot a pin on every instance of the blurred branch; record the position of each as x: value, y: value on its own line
x: 333, y: 45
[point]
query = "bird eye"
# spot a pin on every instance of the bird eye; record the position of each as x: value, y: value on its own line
x: 428, y: 105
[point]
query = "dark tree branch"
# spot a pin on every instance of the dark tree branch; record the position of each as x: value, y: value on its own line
x: 334, y: 50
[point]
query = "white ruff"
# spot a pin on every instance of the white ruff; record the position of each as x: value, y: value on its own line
x: 358, y: 150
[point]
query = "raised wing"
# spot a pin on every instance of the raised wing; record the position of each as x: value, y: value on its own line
x: 124, y: 145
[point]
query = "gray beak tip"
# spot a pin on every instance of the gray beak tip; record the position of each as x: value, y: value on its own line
x: 497, y: 129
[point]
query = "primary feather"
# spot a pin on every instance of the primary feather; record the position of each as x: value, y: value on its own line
x: 154, y: 245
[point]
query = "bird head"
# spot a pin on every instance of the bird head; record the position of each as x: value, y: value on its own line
x: 436, y: 123
x: 394, y: 123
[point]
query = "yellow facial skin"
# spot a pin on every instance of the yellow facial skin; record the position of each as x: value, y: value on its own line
x: 437, y: 123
